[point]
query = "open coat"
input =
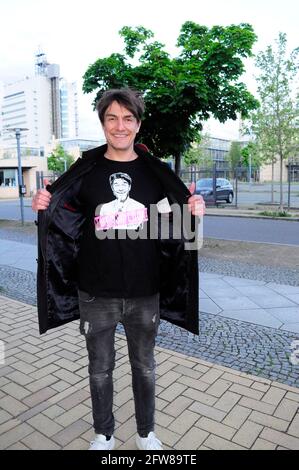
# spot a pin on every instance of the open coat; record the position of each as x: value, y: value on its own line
x: 59, y: 231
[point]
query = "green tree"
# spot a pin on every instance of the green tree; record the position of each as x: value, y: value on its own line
x: 250, y: 157
x: 276, y: 123
x: 198, y: 153
x: 59, y: 160
x: 262, y: 152
x: 181, y: 92
x: 235, y: 155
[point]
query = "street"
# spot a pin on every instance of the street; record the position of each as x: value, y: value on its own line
x: 10, y: 210
x: 282, y: 232
x: 221, y: 227
x: 260, y: 193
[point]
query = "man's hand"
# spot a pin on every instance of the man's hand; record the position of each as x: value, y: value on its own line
x: 42, y: 198
x: 196, y: 204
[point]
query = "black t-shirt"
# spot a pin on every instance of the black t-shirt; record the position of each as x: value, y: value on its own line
x: 116, y: 197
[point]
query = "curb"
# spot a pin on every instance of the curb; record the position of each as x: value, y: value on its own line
x: 254, y: 216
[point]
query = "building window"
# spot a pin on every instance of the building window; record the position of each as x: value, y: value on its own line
x: 4, y: 113
x: 13, y: 95
x: 18, y: 116
x: 8, y: 178
x: 16, y: 103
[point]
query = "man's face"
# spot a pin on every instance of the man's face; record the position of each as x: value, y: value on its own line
x: 120, y: 127
x: 120, y: 188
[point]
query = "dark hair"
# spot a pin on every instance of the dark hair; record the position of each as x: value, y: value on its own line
x: 130, y: 99
x: 123, y: 176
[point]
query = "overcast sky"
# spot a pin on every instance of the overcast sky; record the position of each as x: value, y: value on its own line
x: 75, y: 33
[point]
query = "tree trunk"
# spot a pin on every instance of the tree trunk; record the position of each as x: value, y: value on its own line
x: 194, y: 173
x: 281, y: 186
x: 272, y: 184
x: 177, y: 164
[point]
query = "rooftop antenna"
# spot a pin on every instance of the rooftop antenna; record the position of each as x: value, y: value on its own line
x: 41, y: 62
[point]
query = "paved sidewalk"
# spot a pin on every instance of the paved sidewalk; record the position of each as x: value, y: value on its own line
x: 253, y: 212
x: 259, y: 302
x: 18, y: 255
x: 44, y: 397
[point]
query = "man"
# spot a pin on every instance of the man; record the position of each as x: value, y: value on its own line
x: 116, y: 278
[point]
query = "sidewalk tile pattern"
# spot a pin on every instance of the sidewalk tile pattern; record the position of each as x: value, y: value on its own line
x: 45, y: 402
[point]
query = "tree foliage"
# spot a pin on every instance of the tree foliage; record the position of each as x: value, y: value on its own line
x: 235, y: 155
x: 275, y: 125
x: 59, y: 160
x: 251, y: 155
x: 181, y: 92
x: 198, y: 153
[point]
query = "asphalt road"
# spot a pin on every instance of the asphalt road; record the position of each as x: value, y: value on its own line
x: 251, y: 198
x: 10, y: 210
x: 251, y: 194
x: 221, y: 227
x: 253, y: 230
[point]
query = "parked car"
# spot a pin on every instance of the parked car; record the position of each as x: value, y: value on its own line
x: 224, y: 189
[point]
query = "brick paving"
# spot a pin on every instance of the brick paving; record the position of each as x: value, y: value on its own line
x: 45, y: 403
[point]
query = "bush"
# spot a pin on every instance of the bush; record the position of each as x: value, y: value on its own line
x: 275, y: 213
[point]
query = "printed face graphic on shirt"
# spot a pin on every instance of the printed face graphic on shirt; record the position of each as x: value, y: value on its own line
x: 123, y: 212
x: 120, y: 184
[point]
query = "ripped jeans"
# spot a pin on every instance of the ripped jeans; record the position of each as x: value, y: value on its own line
x: 140, y: 317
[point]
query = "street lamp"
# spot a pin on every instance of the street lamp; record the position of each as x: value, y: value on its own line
x: 22, y: 190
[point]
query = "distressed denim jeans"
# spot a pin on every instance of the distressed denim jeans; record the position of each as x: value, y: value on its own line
x: 140, y: 317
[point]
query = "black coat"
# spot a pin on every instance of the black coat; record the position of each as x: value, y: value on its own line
x: 59, y: 231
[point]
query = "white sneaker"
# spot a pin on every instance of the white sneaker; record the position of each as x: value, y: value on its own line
x: 151, y: 442
x: 100, y: 443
